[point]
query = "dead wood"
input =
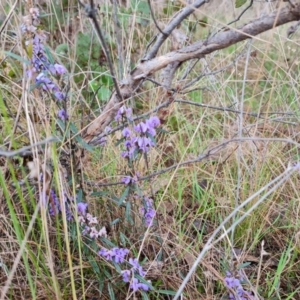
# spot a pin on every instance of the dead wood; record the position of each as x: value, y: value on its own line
x: 199, y: 49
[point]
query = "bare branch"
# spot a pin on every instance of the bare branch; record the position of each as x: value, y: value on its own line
x: 171, y: 26
x: 241, y: 14
x: 201, y: 157
x: 168, y: 73
x: 259, y: 115
x: 196, y: 50
x: 153, y: 18
x: 25, y: 149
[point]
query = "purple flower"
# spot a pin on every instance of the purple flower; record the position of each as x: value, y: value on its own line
x: 144, y: 144
x: 232, y: 282
x: 235, y: 284
x: 141, y: 127
x: 86, y: 230
x: 39, y: 61
x: 119, y: 254
x: 151, y: 131
x: 126, y: 274
x: 128, y: 144
x: 153, y: 122
x: 108, y: 254
x: 136, y: 285
x: 148, y: 211
x: 116, y: 254
x: 91, y: 219
x: 129, y: 113
x: 125, y: 154
x: 136, y: 266
x: 54, y: 206
x: 60, y: 96
x: 62, y: 114
x: 100, y: 141
x: 123, y: 110
x: 82, y: 208
x: 128, y: 180
x: 126, y: 132
x: 149, y: 216
x: 60, y: 70
x: 102, y: 232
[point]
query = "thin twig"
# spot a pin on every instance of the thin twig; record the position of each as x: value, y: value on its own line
x: 241, y: 14
x: 119, y: 38
x: 201, y: 157
x: 167, y: 103
x: 91, y: 13
x: 189, y: 68
x: 26, y: 148
x: 8, y: 16
x: 257, y: 115
x: 153, y: 18
x: 214, y: 72
x: 184, y: 13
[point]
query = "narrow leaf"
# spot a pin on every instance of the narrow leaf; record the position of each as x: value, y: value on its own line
x: 239, y: 3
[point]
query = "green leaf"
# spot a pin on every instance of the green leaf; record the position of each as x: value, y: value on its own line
x: 239, y: 3
x: 104, y: 93
x: 107, y: 80
x: 49, y: 55
x: 141, y: 6
x: 128, y: 213
x: 114, y: 222
x: 79, y: 139
x: 18, y: 57
x: 62, y: 49
x: 144, y: 295
x: 244, y: 265
x: 124, y: 195
x: 111, y: 292
x: 107, y: 242
x: 79, y: 197
x: 166, y: 292
x: 174, y: 124
x: 99, y: 194
x: 94, y: 265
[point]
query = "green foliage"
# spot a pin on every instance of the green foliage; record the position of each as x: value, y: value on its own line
x: 239, y: 3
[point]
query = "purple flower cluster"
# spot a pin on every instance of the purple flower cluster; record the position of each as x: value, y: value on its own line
x: 41, y: 67
x: 140, y: 139
x: 115, y: 254
x: 129, y: 180
x: 118, y: 255
x: 148, y: 211
x: 235, y: 285
x: 124, y: 112
x: 89, y: 222
x: 63, y: 115
x: 55, y: 206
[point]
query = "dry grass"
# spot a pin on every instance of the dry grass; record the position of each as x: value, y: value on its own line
x: 191, y: 201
